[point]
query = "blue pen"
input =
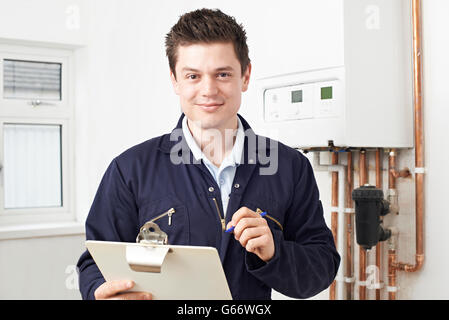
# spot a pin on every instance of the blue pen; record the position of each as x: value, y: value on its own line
x: 262, y: 214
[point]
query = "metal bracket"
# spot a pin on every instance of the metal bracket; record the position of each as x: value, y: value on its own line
x: 146, y: 258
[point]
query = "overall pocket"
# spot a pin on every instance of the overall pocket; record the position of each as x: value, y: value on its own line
x: 171, y: 216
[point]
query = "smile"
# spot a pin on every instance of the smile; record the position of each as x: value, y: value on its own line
x: 210, y: 107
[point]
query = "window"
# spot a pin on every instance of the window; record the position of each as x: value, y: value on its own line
x: 31, y: 80
x: 36, y: 116
x: 32, y: 163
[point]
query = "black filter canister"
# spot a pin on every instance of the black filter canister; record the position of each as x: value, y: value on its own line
x: 370, y: 205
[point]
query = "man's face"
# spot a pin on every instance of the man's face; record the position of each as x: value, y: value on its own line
x: 210, y: 84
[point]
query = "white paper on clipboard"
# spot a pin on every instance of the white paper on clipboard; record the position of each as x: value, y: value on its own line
x: 186, y: 273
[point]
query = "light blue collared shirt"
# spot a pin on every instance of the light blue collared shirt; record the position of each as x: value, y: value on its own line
x: 224, y: 176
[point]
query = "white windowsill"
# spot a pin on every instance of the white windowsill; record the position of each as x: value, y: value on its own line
x: 41, y: 230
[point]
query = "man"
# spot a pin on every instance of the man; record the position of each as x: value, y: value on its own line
x: 214, y: 173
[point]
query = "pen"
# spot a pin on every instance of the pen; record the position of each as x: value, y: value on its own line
x: 262, y: 214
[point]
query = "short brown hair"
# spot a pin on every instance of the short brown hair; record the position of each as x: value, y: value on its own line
x: 206, y: 25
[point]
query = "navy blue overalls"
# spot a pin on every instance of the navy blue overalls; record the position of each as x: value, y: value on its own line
x: 144, y: 182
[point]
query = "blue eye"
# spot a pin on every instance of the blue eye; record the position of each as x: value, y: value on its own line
x: 224, y: 74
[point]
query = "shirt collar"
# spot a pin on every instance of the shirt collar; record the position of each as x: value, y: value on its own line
x: 168, y: 142
x: 233, y: 159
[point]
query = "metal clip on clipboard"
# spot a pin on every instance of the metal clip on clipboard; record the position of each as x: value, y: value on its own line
x: 148, y: 258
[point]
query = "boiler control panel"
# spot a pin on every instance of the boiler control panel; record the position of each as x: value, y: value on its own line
x: 302, y: 101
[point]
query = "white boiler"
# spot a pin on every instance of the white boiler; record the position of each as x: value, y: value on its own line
x: 364, y: 102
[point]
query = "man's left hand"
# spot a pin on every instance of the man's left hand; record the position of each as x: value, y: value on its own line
x: 253, y: 233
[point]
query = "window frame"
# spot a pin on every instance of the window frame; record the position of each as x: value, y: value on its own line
x: 20, y: 107
x: 20, y: 111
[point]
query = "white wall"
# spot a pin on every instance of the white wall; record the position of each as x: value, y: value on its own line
x: 42, y: 267
x: 58, y: 22
x: 124, y: 96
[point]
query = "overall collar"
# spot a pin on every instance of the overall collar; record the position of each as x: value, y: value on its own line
x: 176, y: 142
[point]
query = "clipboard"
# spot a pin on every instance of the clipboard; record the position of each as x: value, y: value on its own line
x: 168, y: 272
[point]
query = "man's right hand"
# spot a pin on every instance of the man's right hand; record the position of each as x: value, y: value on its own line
x: 114, y: 290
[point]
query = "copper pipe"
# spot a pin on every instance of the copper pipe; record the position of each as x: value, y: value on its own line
x: 393, y: 266
x: 378, y: 169
x: 419, y: 141
x: 350, y: 228
x: 379, y: 244
x: 334, y: 216
x: 404, y: 173
x: 392, y: 256
x: 392, y: 273
x: 362, y: 168
x: 362, y: 274
x: 393, y: 174
x: 362, y: 252
x: 391, y: 169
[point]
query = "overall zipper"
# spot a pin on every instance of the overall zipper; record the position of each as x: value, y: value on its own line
x: 169, y: 212
x: 271, y: 218
x: 219, y: 215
